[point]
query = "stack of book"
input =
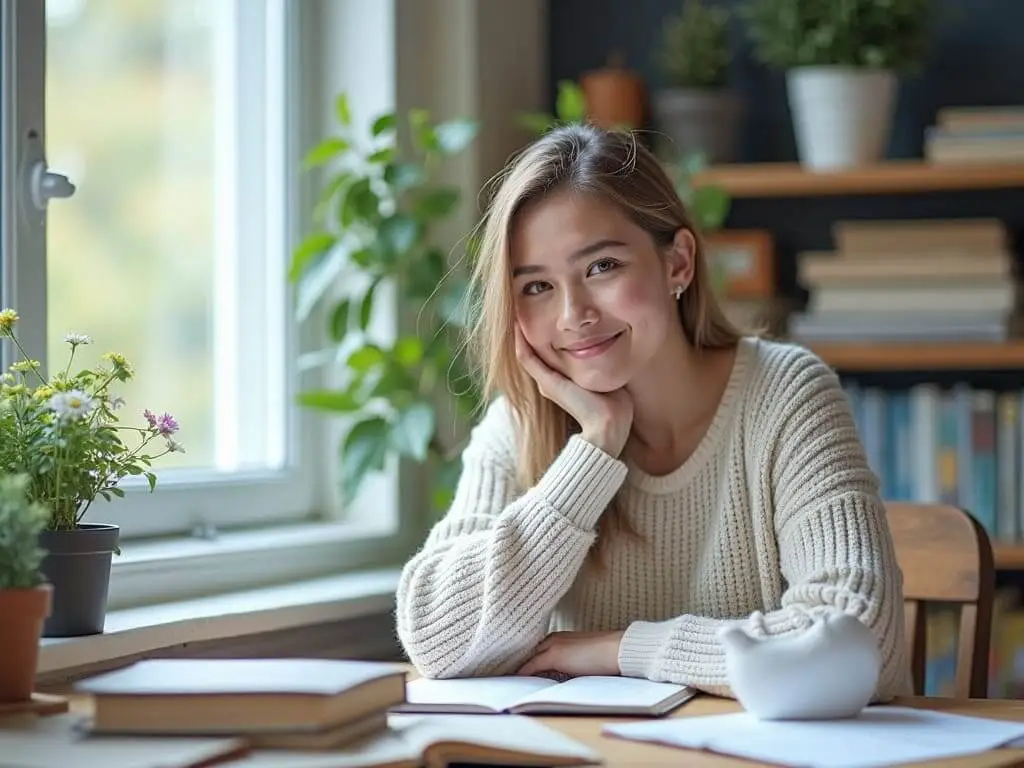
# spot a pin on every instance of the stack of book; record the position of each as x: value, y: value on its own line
x: 979, y: 135
x: 910, y: 280
x: 271, y: 703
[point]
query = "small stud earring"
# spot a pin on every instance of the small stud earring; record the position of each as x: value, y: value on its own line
x: 678, y: 292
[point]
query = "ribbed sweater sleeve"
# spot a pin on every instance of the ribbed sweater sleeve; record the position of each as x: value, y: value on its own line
x: 834, y: 547
x: 477, y: 597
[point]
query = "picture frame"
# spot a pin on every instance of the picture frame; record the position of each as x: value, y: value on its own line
x: 741, y: 262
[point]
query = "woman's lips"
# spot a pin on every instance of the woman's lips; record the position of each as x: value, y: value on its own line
x: 598, y: 347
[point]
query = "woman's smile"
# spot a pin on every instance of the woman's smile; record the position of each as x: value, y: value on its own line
x: 593, y: 347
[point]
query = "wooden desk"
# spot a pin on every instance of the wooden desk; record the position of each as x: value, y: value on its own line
x: 619, y: 753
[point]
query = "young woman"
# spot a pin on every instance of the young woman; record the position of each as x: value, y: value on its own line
x: 645, y: 473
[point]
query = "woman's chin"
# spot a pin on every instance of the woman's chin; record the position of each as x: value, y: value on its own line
x: 596, y: 381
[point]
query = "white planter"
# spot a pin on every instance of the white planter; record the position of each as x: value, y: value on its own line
x: 841, y: 115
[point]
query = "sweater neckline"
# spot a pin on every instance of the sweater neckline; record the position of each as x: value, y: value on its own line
x: 681, y: 475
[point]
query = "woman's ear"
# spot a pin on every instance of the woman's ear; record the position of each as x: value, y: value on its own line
x: 681, y: 258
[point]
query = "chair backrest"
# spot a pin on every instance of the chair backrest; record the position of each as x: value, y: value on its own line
x: 946, y: 556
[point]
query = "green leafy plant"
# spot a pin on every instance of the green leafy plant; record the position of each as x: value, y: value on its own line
x: 887, y: 34
x: 21, y: 522
x: 373, y: 228
x: 707, y: 203
x: 570, y: 108
x: 695, y: 46
x: 65, y: 435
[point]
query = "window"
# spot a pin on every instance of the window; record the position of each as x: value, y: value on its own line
x: 168, y: 116
x: 180, y: 125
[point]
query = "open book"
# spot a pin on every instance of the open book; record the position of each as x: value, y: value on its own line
x: 587, y: 695
x: 436, y: 741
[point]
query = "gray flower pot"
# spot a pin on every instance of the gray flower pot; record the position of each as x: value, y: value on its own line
x: 77, y: 564
x: 695, y: 120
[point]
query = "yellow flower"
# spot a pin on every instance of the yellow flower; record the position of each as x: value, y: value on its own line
x: 43, y: 392
x: 122, y: 369
x: 25, y: 366
x: 8, y: 319
x: 15, y: 390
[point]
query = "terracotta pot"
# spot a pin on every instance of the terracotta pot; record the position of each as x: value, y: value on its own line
x: 22, y: 612
x: 616, y: 97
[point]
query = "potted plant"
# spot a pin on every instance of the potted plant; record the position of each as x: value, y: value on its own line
x: 64, y: 434
x: 615, y: 96
x: 697, y: 111
x: 24, y: 594
x: 373, y: 229
x: 841, y: 61
x: 570, y: 108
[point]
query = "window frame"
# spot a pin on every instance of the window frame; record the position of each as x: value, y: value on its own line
x: 197, y: 535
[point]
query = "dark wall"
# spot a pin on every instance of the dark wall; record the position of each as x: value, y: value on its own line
x: 977, y: 58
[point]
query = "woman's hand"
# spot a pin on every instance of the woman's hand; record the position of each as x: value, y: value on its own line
x: 576, y: 653
x: 605, y: 419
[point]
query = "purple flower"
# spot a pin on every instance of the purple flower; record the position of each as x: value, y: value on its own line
x: 166, y: 425
x: 150, y: 417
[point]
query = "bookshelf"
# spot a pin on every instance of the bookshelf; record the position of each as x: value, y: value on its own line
x: 863, y: 357
x: 891, y: 177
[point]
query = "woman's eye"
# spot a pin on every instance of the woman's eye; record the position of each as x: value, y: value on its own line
x: 532, y: 289
x: 604, y: 265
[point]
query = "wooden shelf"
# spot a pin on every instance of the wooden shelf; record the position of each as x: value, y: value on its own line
x: 893, y: 177
x: 1008, y: 557
x: 930, y: 356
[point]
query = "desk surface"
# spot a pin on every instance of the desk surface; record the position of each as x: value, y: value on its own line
x: 619, y: 753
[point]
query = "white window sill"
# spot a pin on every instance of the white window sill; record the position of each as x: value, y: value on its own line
x: 143, y: 630
x: 182, y: 568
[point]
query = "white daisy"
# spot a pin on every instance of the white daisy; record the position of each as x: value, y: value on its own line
x: 77, y: 339
x: 71, y: 405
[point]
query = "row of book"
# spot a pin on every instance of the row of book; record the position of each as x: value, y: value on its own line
x: 957, y: 445
x: 976, y: 135
x: 910, y: 280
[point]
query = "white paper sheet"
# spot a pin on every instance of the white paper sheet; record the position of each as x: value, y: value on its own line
x: 879, y: 736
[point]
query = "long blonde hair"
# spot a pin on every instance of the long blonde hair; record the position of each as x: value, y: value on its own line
x: 608, y: 165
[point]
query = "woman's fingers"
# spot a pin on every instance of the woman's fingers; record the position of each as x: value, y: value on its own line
x: 537, y: 663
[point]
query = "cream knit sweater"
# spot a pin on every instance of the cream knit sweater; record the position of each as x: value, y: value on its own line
x: 775, y: 518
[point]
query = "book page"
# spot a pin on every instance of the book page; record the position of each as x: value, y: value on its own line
x: 607, y: 693
x: 389, y: 749
x: 492, y: 693
x: 879, y: 736
x: 57, y: 740
x: 517, y: 734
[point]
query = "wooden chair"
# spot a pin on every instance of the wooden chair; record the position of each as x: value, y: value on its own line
x: 946, y: 556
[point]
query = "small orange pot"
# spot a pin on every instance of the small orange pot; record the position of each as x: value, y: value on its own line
x: 616, y: 97
x: 22, y: 613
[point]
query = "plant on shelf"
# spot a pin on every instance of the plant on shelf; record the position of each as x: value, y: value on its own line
x: 24, y: 593
x: 570, y: 108
x: 63, y: 432
x: 841, y: 61
x: 374, y: 231
x: 696, y: 110
x: 708, y: 204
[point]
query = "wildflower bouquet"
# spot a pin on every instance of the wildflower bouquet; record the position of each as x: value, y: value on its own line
x: 64, y: 432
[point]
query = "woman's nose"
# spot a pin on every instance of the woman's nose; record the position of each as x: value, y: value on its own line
x: 578, y: 310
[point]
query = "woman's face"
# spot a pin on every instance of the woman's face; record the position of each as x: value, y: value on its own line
x: 593, y: 293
